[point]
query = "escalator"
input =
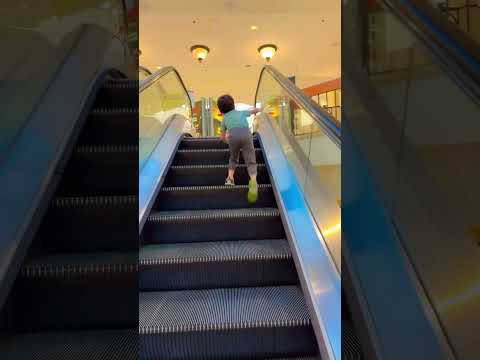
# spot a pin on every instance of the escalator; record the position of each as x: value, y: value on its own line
x: 218, y: 277
x: 221, y: 270
x: 72, y: 298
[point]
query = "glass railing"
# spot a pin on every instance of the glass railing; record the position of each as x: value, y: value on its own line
x: 162, y: 96
x: 310, y: 138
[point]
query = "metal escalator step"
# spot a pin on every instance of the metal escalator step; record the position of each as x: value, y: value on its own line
x: 208, y: 143
x: 213, y: 225
x: 211, y: 197
x: 101, y: 170
x: 209, y: 157
x: 79, y: 345
x: 351, y: 348
x: 229, y: 323
x: 121, y: 92
x: 112, y: 126
x: 98, y: 286
x: 216, y: 264
x: 197, y: 175
x: 91, y: 223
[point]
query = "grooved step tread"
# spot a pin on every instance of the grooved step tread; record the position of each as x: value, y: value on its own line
x: 72, y: 345
x: 70, y: 265
x: 222, y: 309
x: 220, y: 251
x: 207, y: 138
x: 213, y: 214
x: 92, y: 149
x: 120, y: 83
x: 108, y: 111
x: 94, y: 201
x: 203, y: 188
x: 213, y: 166
x: 187, y: 151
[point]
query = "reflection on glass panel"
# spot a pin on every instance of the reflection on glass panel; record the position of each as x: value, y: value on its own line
x: 331, y: 98
x: 465, y: 14
x: 157, y: 103
x: 436, y: 197
x: 323, y: 99
x: 313, y: 156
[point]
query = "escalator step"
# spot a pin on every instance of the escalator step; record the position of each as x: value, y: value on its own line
x: 216, y: 264
x: 209, y: 157
x: 230, y: 323
x: 211, y: 197
x: 101, y: 170
x: 208, y: 143
x: 85, y: 224
x: 77, y: 291
x: 351, y: 348
x: 111, y: 126
x: 195, y: 175
x: 115, y: 93
x: 213, y: 225
x: 80, y: 345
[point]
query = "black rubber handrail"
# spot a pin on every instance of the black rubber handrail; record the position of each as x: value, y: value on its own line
x: 459, y: 53
x: 145, y: 70
x: 147, y: 82
x: 328, y: 123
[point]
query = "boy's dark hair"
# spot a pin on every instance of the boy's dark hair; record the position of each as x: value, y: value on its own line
x: 225, y: 104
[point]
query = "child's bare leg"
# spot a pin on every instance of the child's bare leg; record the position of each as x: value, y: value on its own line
x: 231, y: 173
x: 253, y: 178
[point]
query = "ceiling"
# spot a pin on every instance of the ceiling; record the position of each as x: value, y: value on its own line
x: 307, y: 33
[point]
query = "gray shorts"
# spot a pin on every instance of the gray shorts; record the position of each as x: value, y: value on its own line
x: 241, y: 139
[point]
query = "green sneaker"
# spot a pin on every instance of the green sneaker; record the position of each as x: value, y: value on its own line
x: 252, y: 192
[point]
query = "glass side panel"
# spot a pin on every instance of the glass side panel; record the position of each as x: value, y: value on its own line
x: 322, y: 99
x: 331, y: 98
x: 313, y: 156
x: 157, y: 104
x: 338, y: 97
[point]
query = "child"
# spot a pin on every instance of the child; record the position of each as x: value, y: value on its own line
x: 239, y: 137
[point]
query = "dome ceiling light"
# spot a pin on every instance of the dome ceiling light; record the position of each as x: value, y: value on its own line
x: 199, y: 52
x: 267, y: 51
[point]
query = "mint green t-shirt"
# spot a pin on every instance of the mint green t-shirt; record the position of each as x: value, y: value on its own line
x: 235, y: 119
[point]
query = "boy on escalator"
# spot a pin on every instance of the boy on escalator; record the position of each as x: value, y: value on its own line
x: 236, y: 132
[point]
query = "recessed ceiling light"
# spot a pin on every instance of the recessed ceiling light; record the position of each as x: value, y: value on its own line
x: 254, y: 27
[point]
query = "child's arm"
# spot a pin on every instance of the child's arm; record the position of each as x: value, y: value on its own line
x: 223, y: 135
x: 254, y: 111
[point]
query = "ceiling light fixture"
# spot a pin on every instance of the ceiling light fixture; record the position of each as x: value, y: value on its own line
x: 267, y: 51
x: 199, y: 52
x: 254, y: 27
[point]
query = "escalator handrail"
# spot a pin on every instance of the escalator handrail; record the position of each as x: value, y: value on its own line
x: 456, y: 50
x: 144, y: 70
x: 328, y: 123
x: 147, y: 82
